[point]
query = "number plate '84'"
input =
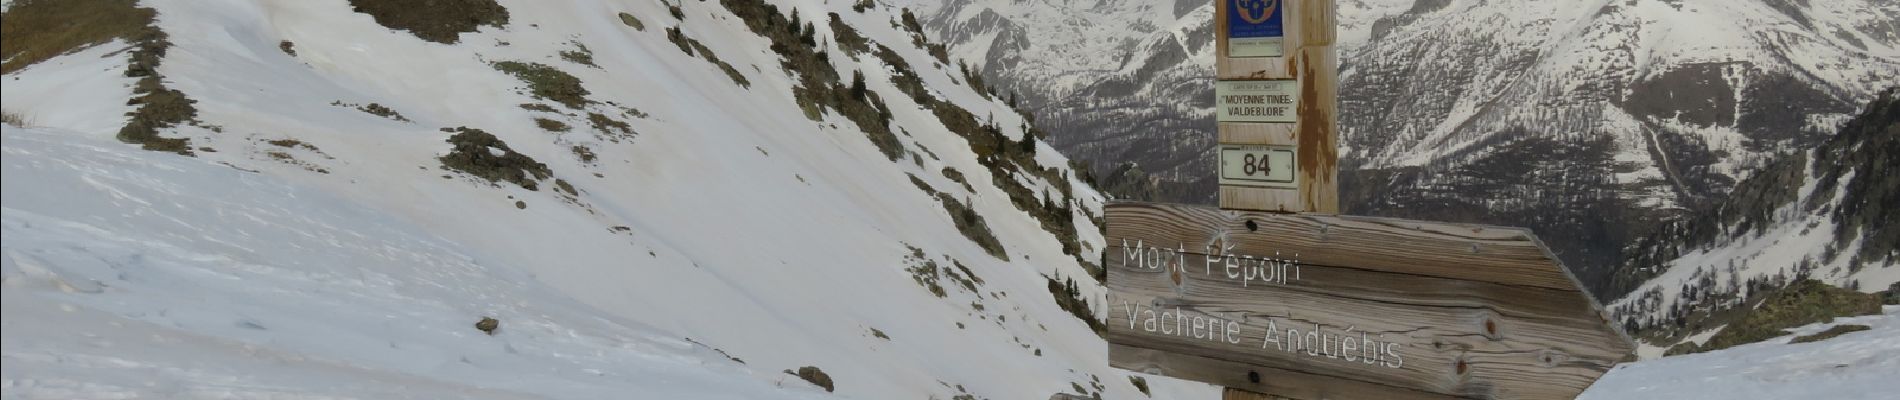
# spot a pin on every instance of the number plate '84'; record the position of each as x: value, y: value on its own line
x: 1258, y: 166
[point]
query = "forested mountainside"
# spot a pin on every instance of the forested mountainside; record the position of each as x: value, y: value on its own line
x: 1824, y: 217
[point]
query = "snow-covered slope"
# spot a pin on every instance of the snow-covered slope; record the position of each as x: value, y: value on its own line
x: 131, y: 273
x: 313, y: 250
x: 1858, y: 365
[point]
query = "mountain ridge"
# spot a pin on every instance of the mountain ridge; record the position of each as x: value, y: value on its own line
x: 1815, y: 216
x: 1626, y: 111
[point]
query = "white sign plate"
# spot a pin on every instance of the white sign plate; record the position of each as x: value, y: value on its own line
x: 1257, y: 101
x: 1258, y: 166
x: 1256, y: 47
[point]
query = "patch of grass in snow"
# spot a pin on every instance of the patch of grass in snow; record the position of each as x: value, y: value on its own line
x: 1070, y: 299
x: 551, y: 125
x: 13, y: 118
x: 910, y: 22
x: 1002, y: 156
x: 972, y: 226
x: 925, y: 271
x: 36, y: 30
x: 819, y: 87
x: 814, y: 375
x: 693, y: 47
x: 1892, y: 295
x: 580, y: 55
x: 481, y: 154
x: 905, y: 78
x: 157, y: 107
x: 286, y: 157
x: 968, y: 279
x: 1140, y: 384
x: 715, y: 349
x: 1005, y: 158
x: 917, y: 38
x: 373, y: 109
x: 975, y: 81
x: 674, y: 8
x: 585, y: 154
x: 440, y: 21
x: 957, y: 176
x: 632, y: 21
x: 292, y: 143
x: 968, y: 221
x: 613, y: 128
x: 1801, y: 303
x: 1831, y: 333
x: 848, y: 37
x: 547, y: 83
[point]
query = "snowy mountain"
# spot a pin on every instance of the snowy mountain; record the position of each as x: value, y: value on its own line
x: 664, y: 199
x: 1583, y: 120
x: 1822, y: 214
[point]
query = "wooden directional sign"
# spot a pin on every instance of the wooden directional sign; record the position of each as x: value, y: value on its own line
x: 1276, y: 72
x: 1329, y: 307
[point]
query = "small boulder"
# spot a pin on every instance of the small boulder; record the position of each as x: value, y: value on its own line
x: 488, y: 325
x: 813, y: 375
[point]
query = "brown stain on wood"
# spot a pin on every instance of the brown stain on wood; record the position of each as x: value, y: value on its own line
x: 1318, y: 154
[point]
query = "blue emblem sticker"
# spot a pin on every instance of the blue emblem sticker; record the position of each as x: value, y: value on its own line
x: 1255, y: 28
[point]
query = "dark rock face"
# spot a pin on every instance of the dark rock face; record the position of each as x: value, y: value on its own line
x: 440, y: 21
x: 814, y: 375
x: 1775, y: 108
x: 1698, y: 94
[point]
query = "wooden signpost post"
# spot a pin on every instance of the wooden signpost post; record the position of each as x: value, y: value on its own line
x: 1275, y: 100
x: 1273, y: 297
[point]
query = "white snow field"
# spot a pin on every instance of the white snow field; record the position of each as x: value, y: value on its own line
x: 1859, y: 365
x: 355, y: 269
x: 135, y: 274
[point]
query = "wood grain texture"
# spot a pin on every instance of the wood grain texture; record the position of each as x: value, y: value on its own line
x: 1318, y: 127
x: 1237, y: 394
x: 1261, y: 199
x: 1278, y: 134
x: 1477, y: 311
